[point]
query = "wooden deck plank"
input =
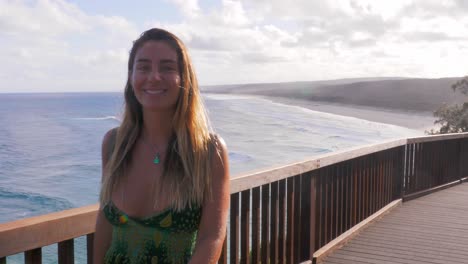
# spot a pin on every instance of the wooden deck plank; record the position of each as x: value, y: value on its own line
x: 390, y: 258
x: 412, y: 243
x: 393, y: 249
x: 430, y: 229
x: 404, y: 253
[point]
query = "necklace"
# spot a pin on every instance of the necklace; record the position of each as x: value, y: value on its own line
x: 157, y: 156
x: 156, y: 159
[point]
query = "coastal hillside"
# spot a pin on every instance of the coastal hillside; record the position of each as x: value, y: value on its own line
x: 394, y: 93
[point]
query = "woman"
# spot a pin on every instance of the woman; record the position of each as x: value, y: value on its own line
x: 165, y: 191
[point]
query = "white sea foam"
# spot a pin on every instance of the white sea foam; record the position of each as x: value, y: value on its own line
x: 98, y: 118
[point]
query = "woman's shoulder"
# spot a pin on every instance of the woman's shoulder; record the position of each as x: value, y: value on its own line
x: 218, y: 142
x: 108, y: 142
x: 219, y: 156
x: 110, y: 134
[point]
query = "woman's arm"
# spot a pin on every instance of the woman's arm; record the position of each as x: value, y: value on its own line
x: 102, y: 238
x: 103, y: 233
x: 212, y: 230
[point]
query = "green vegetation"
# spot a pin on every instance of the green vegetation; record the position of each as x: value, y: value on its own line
x: 453, y: 118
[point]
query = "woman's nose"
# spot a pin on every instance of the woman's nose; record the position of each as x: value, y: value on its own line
x: 155, y: 75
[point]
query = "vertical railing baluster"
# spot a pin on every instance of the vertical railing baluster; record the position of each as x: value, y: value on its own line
x: 234, y: 229
x: 318, y: 209
x: 409, y: 175
x: 274, y: 223
x: 256, y: 248
x: 313, y: 212
x: 417, y: 166
x: 390, y: 173
x: 282, y: 222
x: 400, y: 181
x: 245, y: 226
x: 342, y: 207
x: 382, y: 160
x: 365, y: 200
x: 265, y: 223
x: 33, y: 256
x: 371, y: 183
x: 290, y: 221
x: 297, y: 217
x: 462, y: 159
x: 354, y: 182
x: 358, y: 189
x: 347, y: 183
x: 446, y: 147
x: 413, y: 168
x: 326, y: 206
x: 66, y: 252
x: 362, y: 189
x: 332, y: 181
x: 459, y: 160
x: 434, y: 164
x: 305, y: 215
x: 90, y: 247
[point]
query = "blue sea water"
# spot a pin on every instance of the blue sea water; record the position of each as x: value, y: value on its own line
x: 50, y: 145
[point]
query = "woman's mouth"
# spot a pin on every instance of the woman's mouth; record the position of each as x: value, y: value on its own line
x: 154, y: 92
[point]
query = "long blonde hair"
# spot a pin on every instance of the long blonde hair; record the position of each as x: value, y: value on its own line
x: 186, y: 178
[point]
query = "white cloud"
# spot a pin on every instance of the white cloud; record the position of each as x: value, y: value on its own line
x: 47, y: 17
x: 52, y: 45
x: 189, y: 8
x: 233, y: 14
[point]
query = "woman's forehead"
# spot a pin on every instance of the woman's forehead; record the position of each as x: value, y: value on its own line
x: 159, y: 50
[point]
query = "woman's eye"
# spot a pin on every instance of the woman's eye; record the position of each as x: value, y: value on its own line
x: 143, y: 68
x: 167, y: 69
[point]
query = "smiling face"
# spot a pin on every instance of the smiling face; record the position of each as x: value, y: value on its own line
x: 155, y: 76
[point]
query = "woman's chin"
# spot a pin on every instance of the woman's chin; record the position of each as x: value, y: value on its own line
x: 158, y: 108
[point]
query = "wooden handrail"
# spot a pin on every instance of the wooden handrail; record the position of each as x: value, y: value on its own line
x: 258, y: 178
x: 437, y: 137
x: 39, y: 231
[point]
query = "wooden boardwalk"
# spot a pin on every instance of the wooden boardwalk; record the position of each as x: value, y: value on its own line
x: 429, y: 229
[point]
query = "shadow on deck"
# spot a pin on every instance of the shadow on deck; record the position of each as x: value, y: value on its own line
x: 429, y: 229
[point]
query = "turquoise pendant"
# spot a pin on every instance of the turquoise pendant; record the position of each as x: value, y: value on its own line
x: 156, y: 159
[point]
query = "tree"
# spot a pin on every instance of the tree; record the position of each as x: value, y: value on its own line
x: 453, y: 118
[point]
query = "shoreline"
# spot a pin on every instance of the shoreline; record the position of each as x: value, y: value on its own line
x: 405, y: 118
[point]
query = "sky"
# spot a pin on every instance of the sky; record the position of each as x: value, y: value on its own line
x: 83, y: 45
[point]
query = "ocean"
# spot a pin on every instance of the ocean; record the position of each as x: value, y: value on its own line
x: 50, y: 145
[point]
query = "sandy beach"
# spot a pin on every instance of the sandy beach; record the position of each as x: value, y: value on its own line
x: 410, y: 119
x: 402, y: 102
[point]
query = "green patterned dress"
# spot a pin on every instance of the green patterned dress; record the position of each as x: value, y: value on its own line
x: 166, y: 237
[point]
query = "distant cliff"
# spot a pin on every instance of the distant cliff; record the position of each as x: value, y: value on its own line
x: 394, y: 93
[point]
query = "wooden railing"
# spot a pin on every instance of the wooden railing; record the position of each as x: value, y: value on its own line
x: 285, y: 214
